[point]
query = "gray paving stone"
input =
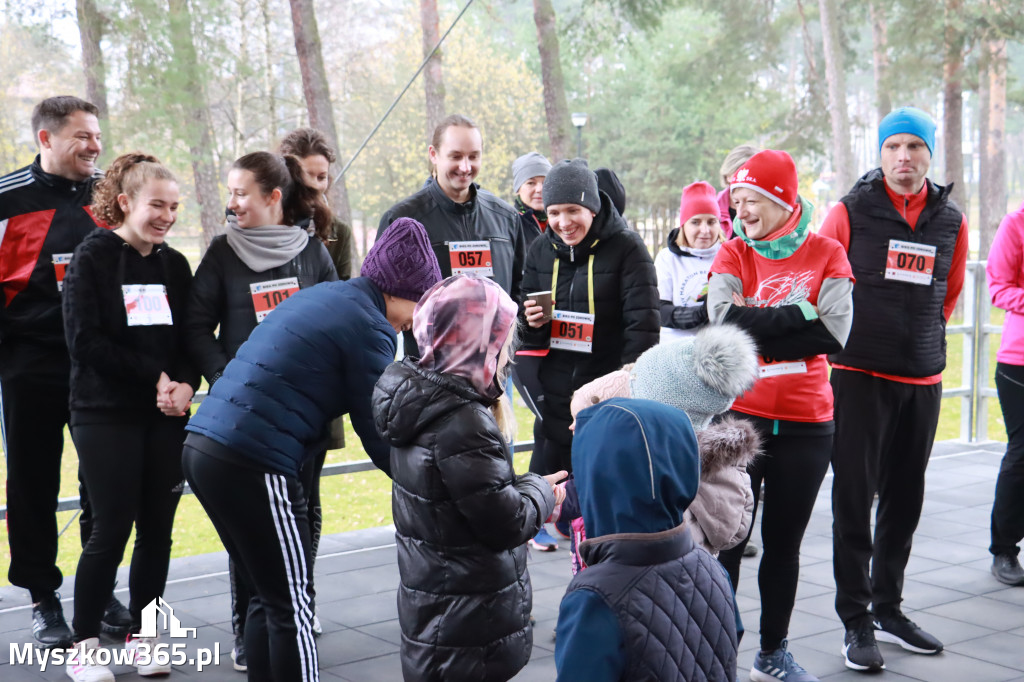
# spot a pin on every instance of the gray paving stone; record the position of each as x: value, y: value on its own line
x: 948, y: 581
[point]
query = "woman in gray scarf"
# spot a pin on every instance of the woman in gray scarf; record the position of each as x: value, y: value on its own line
x: 263, y: 258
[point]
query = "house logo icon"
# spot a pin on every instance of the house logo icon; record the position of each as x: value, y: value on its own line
x: 156, y: 608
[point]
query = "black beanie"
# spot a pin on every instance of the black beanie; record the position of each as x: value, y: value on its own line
x: 572, y: 182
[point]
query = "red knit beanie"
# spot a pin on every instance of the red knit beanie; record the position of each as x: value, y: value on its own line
x: 771, y: 173
x: 698, y: 199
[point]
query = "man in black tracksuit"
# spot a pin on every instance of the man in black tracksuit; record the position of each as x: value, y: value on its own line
x: 44, y: 215
x: 471, y: 230
x: 907, y: 244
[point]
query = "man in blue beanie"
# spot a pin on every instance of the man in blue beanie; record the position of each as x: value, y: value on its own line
x: 907, y: 245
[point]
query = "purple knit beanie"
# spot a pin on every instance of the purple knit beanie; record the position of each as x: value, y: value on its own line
x: 401, y: 262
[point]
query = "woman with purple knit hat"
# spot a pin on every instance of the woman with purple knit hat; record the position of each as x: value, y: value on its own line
x: 315, y: 357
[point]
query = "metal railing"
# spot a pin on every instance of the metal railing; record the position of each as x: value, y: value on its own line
x: 973, y: 391
x: 977, y: 330
x: 338, y: 468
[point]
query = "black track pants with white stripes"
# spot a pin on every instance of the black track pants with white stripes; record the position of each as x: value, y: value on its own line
x: 261, y: 519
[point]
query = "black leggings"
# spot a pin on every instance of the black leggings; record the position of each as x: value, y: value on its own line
x: 1008, y: 507
x: 262, y: 520
x: 792, y: 468
x: 133, y: 473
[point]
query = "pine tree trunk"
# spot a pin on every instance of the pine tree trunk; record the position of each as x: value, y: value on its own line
x: 556, y: 109
x: 91, y: 24
x: 984, y: 171
x: 317, y: 92
x: 880, y: 33
x: 835, y: 75
x: 953, y: 103
x: 433, y: 80
x: 195, y: 121
x: 268, y: 75
x: 993, y: 188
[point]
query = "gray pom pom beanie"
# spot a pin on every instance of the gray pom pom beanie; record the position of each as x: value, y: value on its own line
x: 572, y: 182
x: 701, y: 375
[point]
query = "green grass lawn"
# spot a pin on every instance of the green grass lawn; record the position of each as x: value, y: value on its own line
x: 363, y: 500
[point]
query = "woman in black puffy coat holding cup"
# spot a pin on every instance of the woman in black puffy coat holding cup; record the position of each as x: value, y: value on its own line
x: 605, y: 292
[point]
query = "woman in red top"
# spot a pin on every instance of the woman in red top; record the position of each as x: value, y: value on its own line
x: 792, y: 290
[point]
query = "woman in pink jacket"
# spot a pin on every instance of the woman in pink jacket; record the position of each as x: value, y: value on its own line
x: 1005, y: 271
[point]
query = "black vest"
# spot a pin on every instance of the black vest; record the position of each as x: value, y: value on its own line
x: 673, y: 601
x: 898, y: 327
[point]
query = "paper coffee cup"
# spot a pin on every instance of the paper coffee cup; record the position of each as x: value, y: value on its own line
x: 543, y: 299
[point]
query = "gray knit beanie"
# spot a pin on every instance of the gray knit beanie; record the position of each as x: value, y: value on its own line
x: 701, y: 375
x: 572, y: 182
x: 527, y: 166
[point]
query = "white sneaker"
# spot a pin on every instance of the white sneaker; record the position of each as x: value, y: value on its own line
x: 147, y: 664
x: 82, y: 667
x: 318, y: 629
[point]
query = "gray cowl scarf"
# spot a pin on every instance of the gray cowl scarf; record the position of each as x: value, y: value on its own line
x: 267, y: 246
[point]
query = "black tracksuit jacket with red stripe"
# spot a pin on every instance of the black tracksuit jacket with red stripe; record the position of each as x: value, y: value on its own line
x: 40, y: 215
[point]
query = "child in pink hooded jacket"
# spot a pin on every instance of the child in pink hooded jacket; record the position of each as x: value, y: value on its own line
x: 701, y: 375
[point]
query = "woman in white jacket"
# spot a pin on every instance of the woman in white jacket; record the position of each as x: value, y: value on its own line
x: 683, y: 267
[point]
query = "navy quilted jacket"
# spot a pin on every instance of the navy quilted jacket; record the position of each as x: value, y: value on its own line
x: 651, y: 605
x: 316, y: 357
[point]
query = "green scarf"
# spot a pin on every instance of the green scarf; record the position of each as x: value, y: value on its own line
x: 783, y: 247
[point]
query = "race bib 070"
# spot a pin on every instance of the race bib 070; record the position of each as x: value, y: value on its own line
x: 910, y: 262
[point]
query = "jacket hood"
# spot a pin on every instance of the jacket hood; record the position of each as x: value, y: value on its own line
x: 407, y: 398
x: 730, y: 442
x: 784, y: 246
x: 461, y: 325
x: 636, y: 466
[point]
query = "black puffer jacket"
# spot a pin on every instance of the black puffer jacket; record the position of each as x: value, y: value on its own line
x: 221, y: 297
x: 462, y: 518
x: 115, y: 366
x: 626, y: 323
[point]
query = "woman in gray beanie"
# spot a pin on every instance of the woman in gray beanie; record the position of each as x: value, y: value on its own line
x: 605, y: 293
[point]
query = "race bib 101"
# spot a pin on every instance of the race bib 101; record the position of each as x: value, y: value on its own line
x: 268, y: 295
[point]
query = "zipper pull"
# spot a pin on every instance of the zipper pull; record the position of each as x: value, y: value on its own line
x: 572, y: 254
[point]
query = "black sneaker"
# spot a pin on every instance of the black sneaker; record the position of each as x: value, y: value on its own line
x: 896, y: 628
x: 238, y: 661
x: 116, y: 619
x: 860, y: 648
x: 49, y: 628
x: 750, y: 550
x: 1007, y: 570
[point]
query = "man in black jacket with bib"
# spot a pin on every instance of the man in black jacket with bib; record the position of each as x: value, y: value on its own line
x: 907, y: 244
x: 471, y: 231
x: 44, y: 215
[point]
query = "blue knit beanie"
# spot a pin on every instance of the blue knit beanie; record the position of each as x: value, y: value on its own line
x: 907, y: 120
